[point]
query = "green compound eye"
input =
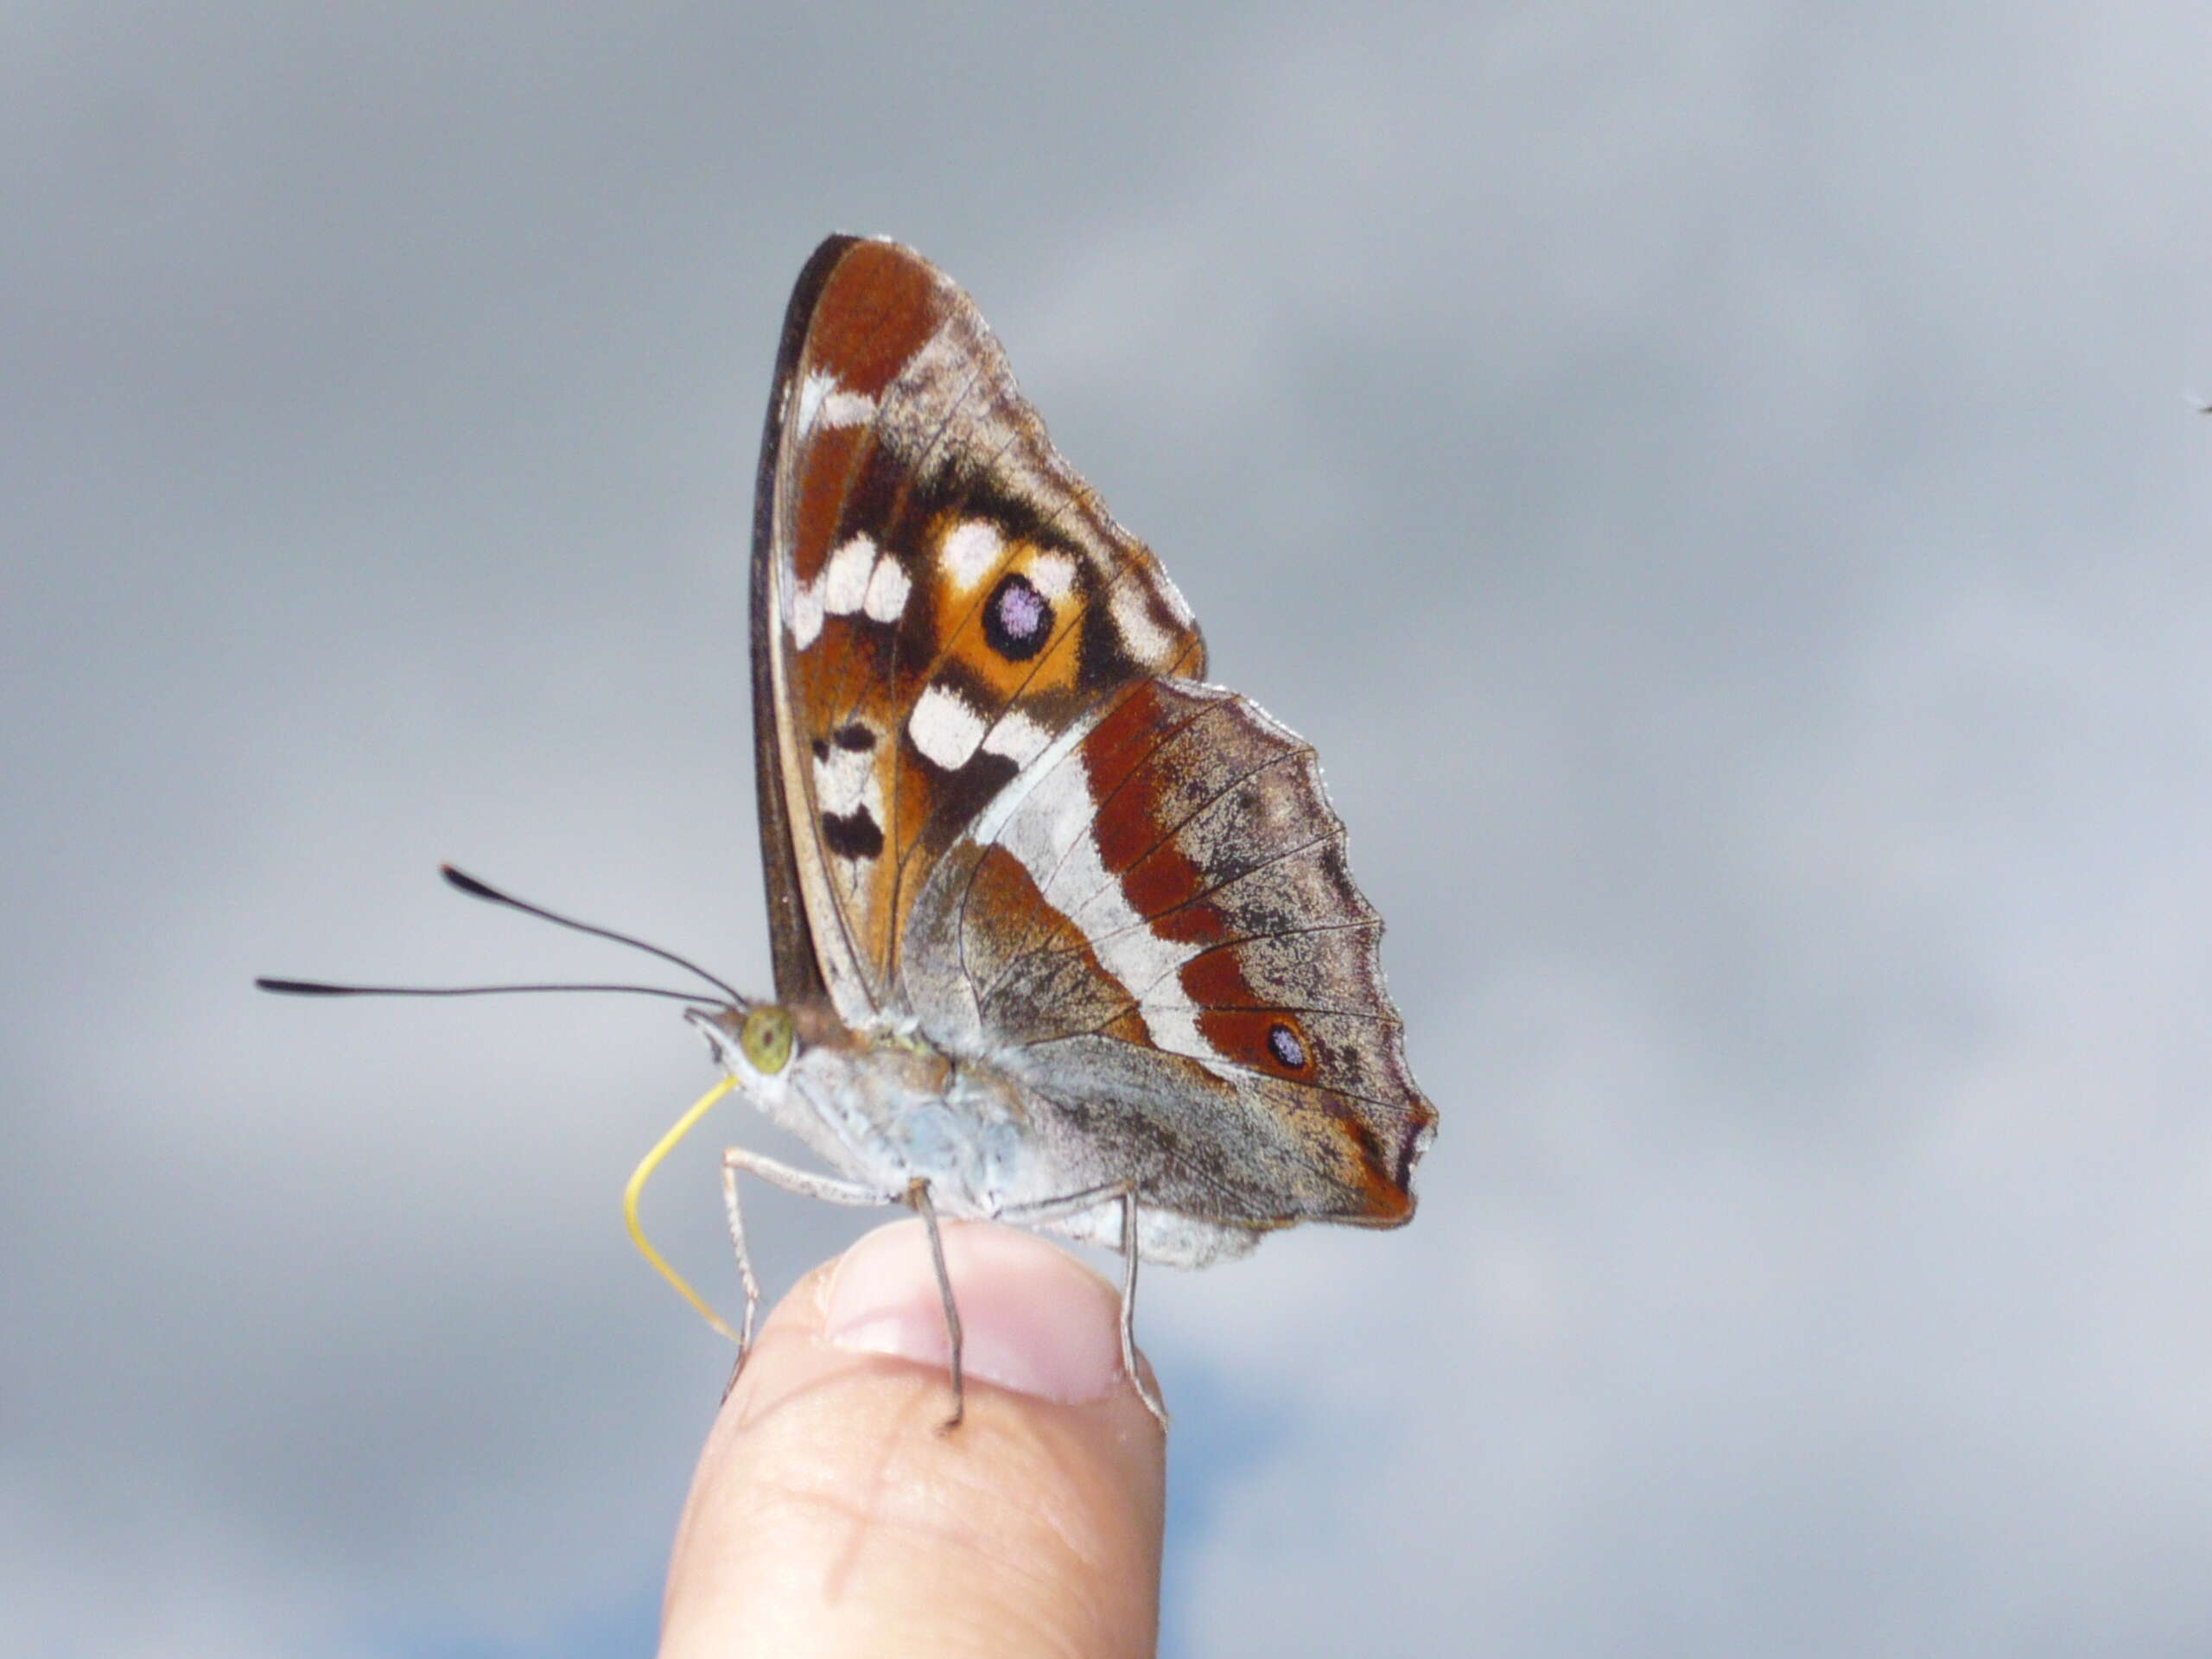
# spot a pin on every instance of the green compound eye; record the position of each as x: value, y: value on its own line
x: 766, y: 1039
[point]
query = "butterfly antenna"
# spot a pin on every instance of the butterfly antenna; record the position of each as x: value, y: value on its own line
x: 475, y: 889
x: 324, y: 987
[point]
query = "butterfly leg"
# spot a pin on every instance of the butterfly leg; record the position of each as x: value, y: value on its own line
x: 1130, y: 1256
x: 808, y: 1185
x: 918, y: 1194
x: 1123, y: 1193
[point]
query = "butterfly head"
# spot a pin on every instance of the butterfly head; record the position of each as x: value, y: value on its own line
x: 755, y: 1042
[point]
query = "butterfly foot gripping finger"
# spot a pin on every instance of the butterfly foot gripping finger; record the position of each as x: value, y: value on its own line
x: 1124, y: 1195
x: 917, y: 1195
x: 1138, y: 1381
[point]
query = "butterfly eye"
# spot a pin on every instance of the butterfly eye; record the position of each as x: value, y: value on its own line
x: 1283, y: 1044
x: 766, y: 1039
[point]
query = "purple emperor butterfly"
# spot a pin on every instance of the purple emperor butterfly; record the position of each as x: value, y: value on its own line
x: 1064, y: 935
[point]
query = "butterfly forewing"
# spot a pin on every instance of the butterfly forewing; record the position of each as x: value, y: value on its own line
x: 944, y: 597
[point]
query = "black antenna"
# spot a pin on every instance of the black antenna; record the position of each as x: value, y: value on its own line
x: 475, y: 889
x: 324, y: 987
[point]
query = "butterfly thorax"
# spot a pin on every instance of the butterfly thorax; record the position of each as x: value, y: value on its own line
x: 886, y: 1107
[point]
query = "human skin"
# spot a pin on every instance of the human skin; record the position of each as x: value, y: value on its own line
x: 832, y: 1514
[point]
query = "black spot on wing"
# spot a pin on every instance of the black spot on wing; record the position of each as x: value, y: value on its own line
x: 1101, y: 658
x: 1017, y: 618
x: 852, y: 835
x: 963, y: 794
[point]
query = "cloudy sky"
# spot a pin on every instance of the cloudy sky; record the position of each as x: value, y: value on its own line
x: 1717, y: 482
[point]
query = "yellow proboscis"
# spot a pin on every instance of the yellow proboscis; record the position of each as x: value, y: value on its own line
x: 651, y: 1162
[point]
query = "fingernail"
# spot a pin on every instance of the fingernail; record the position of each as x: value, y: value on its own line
x: 1033, y: 1319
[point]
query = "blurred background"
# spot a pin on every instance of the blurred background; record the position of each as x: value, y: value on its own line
x: 1718, y: 482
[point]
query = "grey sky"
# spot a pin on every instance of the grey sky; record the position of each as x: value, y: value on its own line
x: 1715, y: 482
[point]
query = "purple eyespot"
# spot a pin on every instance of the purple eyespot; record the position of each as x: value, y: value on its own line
x: 1283, y: 1044
x: 1021, y: 611
x: 1017, y: 618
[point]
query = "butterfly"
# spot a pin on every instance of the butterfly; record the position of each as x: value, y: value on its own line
x: 1064, y: 935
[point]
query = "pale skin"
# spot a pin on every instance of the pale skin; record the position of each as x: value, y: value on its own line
x: 832, y: 1515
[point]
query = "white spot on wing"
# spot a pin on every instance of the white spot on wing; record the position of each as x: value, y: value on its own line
x: 803, y: 611
x: 886, y: 590
x: 822, y: 402
x: 845, y: 779
x: 813, y: 392
x: 971, y: 551
x: 844, y: 580
x: 846, y: 783
x: 1052, y: 575
x: 1143, y: 639
x: 1017, y: 737
x: 1177, y: 606
x: 856, y: 578
x: 945, y: 727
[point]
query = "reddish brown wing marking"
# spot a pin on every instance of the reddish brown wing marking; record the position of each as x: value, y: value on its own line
x: 1206, y: 972
x: 946, y: 597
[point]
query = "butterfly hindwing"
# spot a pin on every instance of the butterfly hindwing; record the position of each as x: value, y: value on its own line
x: 1158, y: 931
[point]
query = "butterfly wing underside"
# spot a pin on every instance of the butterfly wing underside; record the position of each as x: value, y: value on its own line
x: 937, y: 595
x: 997, y: 798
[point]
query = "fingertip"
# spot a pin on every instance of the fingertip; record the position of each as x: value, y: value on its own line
x: 828, y: 1517
x: 1033, y: 1319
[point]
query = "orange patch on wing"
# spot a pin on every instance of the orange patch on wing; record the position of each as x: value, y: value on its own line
x: 1217, y: 979
x: 1383, y: 1198
x: 1242, y: 1034
x: 909, y: 793
x: 1386, y: 1200
x: 1052, y: 667
x: 1050, y: 981
x: 999, y: 888
x: 1129, y: 1027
